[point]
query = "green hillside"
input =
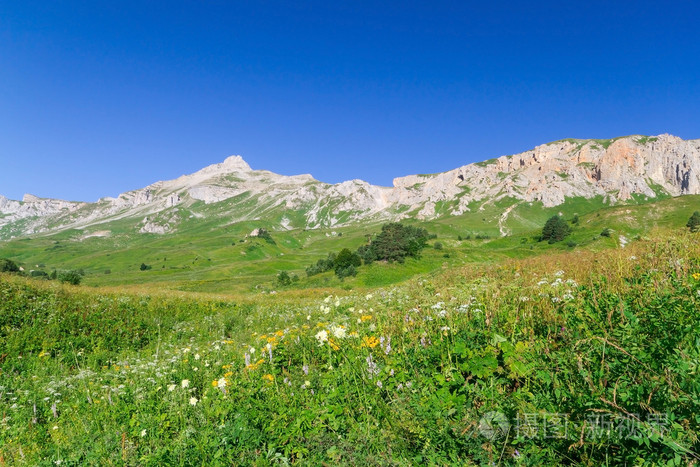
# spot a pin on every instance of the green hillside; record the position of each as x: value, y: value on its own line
x: 210, y: 255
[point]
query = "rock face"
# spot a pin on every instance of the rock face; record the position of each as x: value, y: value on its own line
x: 614, y: 169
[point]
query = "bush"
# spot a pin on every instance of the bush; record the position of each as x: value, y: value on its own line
x: 342, y: 273
x: 283, y: 278
x: 7, y: 265
x: 606, y: 232
x: 555, y: 229
x: 437, y: 245
x: 694, y: 222
x: 70, y: 277
x: 144, y: 267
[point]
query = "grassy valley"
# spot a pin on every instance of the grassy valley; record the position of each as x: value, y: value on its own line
x: 486, y: 350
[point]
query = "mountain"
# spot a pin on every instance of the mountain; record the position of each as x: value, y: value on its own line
x: 619, y: 170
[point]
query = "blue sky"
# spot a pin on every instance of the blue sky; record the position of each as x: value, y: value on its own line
x: 97, y: 98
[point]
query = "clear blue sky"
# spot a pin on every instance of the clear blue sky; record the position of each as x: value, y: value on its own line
x: 98, y: 97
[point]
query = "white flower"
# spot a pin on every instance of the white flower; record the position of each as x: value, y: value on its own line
x: 221, y: 383
x: 337, y: 303
x: 327, y: 299
x: 251, y: 350
x: 322, y: 336
x: 197, y: 356
x: 193, y: 401
x: 143, y: 433
x: 368, y: 296
x: 338, y: 331
x: 171, y: 388
x: 185, y: 383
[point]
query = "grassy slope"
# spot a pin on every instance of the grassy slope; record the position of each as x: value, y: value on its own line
x: 584, y: 333
x: 207, y: 255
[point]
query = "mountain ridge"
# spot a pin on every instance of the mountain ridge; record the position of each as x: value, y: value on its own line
x: 618, y: 170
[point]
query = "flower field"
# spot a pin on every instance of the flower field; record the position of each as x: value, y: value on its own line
x: 578, y: 358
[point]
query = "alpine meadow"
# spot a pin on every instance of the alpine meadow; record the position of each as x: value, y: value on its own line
x: 504, y: 330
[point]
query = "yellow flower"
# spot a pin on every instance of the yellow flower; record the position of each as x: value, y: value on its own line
x: 370, y: 342
x: 696, y: 276
x: 214, y: 383
x: 43, y: 353
x: 333, y: 345
x: 255, y: 366
x: 269, y: 377
x: 279, y: 333
x: 364, y: 318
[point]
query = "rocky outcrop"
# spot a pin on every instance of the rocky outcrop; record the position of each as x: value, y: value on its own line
x: 614, y: 169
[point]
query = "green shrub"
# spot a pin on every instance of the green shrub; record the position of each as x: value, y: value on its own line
x: 70, y: 277
x: 7, y: 265
x: 694, y: 222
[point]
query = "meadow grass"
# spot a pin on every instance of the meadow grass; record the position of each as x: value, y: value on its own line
x: 567, y: 357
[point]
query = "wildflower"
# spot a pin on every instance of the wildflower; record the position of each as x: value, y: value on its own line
x: 327, y: 299
x: 143, y: 433
x: 370, y: 342
x: 305, y: 369
x: 247, y: 359
x: 379, y: 384
x: 269, y: 377
x: 221, y: 383
x: 696, y: 276
x: 269, y: 350
x: 185, y: 383
x: 193, y: 400
x: 372, y: 368
x: 333, y: 345
x: 322, y: 336
x: 197, y: 356
x: 306, y: 384
x: 171, y: 388
x: 387, y: 347
x: 338, y: 331
x: 368, y: 296
x: 251, y: 350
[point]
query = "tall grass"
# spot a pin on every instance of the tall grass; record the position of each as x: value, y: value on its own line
x: 571, y: 358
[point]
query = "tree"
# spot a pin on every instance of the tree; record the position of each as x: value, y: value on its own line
x: 396, y: 241
x: 144, y: 267
x: 555, y: 229
x: 7, y: 265
x: 694, y: 222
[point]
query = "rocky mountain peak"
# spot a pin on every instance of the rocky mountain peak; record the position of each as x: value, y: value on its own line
x: 235, y: 163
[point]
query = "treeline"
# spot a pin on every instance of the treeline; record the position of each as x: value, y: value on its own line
x: 395, y: 242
